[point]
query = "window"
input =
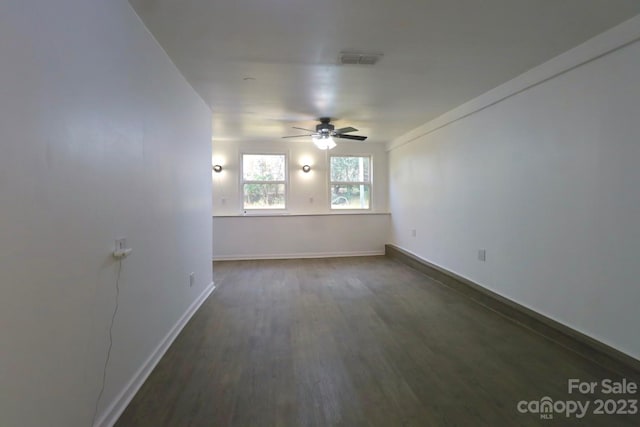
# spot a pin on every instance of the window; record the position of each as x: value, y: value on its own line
x: 264, y: 181
x: 350, y: 182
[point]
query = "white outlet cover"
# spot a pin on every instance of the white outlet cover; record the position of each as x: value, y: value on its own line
x: 121, y: 251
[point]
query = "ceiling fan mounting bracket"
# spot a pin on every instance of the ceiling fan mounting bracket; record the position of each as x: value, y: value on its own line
x: 325, y: 128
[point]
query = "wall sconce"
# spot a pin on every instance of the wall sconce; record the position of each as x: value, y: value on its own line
x: 217, y: 168
x: 306, y: 168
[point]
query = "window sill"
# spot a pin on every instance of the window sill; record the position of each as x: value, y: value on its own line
x: 271, y: 215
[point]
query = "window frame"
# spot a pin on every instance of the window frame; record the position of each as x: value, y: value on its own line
x: 367, y: 183
x: 242, y: 182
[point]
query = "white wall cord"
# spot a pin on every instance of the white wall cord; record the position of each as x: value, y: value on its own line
x: 106, y: 362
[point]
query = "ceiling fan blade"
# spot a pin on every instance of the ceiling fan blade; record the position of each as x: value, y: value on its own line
x: 356, y: 137
x: 346, y: 130
x: 308, y: 130
x: 298, y: 136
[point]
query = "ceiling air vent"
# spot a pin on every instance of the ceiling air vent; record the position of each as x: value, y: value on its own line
x: 358, y: 58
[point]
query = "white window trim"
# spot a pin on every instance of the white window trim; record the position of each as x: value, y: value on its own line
x: 242, y: 182
x: 369, y: 183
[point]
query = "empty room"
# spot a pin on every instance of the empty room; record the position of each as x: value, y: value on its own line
x: 340, y: 213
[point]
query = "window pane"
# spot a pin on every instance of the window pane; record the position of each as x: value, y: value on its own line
x: 264, y: 196
x: 350, y: 196
x: 263, y: 167
x: 350, y: 169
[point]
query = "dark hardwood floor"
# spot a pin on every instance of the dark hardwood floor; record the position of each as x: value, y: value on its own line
x: 355, y: 342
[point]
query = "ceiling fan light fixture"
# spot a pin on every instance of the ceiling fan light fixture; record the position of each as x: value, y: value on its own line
x: 324, y: 142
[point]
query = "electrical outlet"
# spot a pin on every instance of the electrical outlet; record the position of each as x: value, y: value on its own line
x: 121, y: 251
x: 121, y: 244
x: 482, y: 255
x: 414, y: 233
x: 192, y: 279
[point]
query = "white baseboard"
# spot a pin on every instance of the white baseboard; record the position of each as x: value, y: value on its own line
x: 119, y: 404
x: 246, y: 257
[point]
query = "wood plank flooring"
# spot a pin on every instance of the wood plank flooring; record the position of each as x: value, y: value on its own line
x: 354, y: 342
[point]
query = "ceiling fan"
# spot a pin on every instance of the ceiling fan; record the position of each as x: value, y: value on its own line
x: 325, y: 132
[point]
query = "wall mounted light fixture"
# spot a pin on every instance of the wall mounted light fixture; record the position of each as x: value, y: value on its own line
x: 217, y: 168
x: 306, y: 168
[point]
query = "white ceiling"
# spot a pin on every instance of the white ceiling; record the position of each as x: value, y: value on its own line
x: 437, y: 55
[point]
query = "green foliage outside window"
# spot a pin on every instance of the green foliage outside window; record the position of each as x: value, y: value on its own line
x: 350, y: 182
x: 264, y: 181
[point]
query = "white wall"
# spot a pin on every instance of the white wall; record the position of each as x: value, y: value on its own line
x: 548, y: 182
x: 310, y: 229
x: 100, y: 137
x: 299, y: 236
